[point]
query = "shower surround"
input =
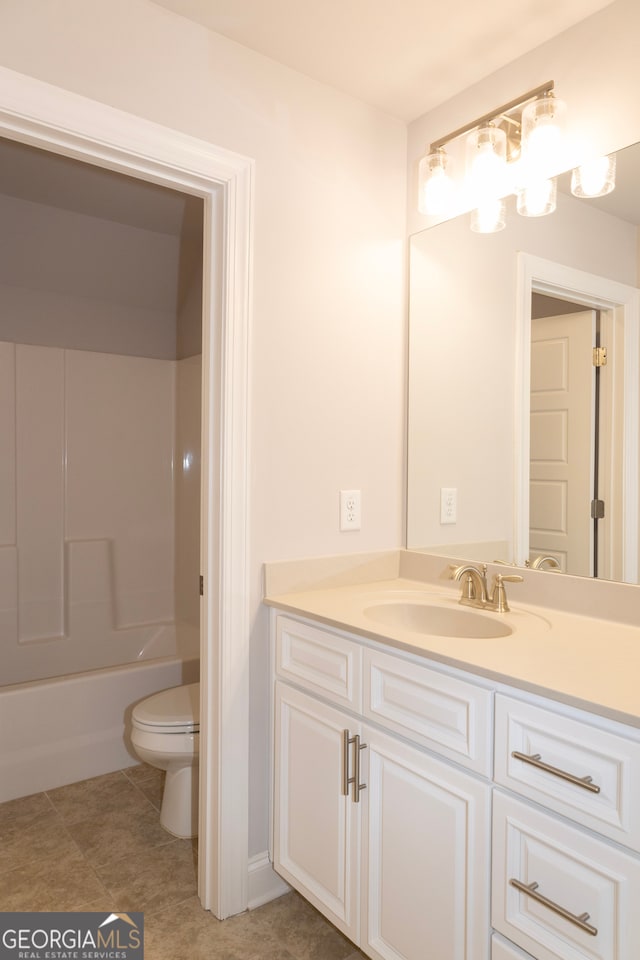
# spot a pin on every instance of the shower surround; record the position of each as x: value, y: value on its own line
x: 99, y: 457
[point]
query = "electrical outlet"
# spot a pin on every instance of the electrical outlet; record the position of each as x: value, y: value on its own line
x: 448, y: 504
x: 350, y: 510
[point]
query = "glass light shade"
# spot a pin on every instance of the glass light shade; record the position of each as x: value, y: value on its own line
x: 542, y: 133
x: 486, y: 150
x: 538, y: 198
x: 435, y: 186
x: 489, y: 217
x: 595, y: 178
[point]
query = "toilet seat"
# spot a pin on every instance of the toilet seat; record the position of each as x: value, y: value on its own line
x: 173, y: 711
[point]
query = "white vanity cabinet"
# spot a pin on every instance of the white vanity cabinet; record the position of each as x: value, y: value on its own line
x: 389, y: 841
x: 488, y: 822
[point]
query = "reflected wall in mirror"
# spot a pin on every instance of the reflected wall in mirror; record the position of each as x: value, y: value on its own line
x: 470, y: 381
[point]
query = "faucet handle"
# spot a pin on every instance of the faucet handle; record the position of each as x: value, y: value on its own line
x: 498, y: 597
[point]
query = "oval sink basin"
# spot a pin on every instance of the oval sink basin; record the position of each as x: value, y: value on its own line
x: 437, y: 621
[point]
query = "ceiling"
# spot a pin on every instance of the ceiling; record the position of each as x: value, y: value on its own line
x: 40, y: 176
x: 405, y: 57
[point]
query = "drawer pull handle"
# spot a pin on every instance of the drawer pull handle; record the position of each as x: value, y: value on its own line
x: 355, y: 779
x: 346, y: 779
x: 536, y: 761
x: 357, y: 786
x: 531, y: 889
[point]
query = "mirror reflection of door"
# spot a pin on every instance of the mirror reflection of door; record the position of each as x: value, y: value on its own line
x: 564, y: 445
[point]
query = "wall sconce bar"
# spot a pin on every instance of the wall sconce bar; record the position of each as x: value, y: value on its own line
x: 516, y: 148
x: 544, y: 90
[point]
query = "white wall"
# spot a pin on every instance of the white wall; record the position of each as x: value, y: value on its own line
x: 328, y: 331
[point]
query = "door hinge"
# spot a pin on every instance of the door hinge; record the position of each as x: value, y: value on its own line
x: 599, y: 356
x: 201, y: 585
x: 597, y: 509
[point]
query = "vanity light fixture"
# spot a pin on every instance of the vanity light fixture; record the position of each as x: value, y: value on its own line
x: 595, y: 178
x: 541, y: 133
x: 526, y: 131
x: 489, y: 217
x: 486, y: 149
x: 541, y: 136
x: 436, y: 186
x: 538, y: 198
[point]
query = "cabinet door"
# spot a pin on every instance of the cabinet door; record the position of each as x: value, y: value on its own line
x: 426, y: 865
x: 316, y: 827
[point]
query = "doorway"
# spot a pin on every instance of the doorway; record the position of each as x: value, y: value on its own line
x: 613, y: 316
x: 565, y: 433
x: 56, y: 120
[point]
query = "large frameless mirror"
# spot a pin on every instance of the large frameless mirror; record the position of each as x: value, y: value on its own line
x: 523, y: 386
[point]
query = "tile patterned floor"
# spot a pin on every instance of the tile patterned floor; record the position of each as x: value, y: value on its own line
x: 98, y: 845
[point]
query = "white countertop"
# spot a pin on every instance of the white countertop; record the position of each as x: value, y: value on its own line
x: 589, y: 663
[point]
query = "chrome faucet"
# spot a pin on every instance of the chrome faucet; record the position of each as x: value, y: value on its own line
x: 474, y: 587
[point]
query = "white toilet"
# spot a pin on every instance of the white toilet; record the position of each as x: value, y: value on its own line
x: 166, y: 734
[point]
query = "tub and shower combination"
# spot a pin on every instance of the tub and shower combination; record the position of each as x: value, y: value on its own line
x: 99, y: 554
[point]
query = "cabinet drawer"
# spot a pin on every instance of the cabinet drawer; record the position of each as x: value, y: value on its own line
x: 566, y: 746
x: 585, y: 901
x: 503, y: 950
x: 320, y: 661
x: 431, y: 708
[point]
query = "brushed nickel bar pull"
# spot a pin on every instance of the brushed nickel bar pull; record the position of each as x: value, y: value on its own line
x: 346, y: 779
x: 531, y: 889
x: 536, y: 761
x: 357, y: 786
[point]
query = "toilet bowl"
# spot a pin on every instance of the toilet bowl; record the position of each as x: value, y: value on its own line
x: 165, y: 734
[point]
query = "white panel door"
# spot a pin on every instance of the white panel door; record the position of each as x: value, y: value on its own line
x: 316, y: 827
x: 562, y: 430
x: 426, y: 863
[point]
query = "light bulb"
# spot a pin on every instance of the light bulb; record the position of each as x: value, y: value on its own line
x: 538, y: 198
x: 489, y: 217
x: 542, y: 134
x: 486, y: 150
x: 435, y: 186
x: 595, y: 178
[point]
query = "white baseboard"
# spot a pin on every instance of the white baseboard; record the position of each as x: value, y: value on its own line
x: 264, y: 882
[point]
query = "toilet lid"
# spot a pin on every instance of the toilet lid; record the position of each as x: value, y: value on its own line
x: 178, y: 707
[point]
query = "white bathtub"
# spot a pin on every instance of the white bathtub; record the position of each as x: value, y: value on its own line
x: 54, y: 732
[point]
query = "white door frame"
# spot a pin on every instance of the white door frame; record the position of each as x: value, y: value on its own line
x: 63, y: 122
x: 599, y: 293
